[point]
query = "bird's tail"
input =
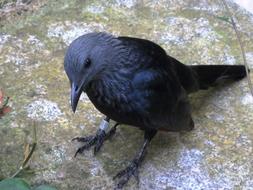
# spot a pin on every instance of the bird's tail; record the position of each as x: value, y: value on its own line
x: 208, y: 74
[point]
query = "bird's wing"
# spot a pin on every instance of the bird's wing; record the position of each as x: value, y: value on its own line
x: 162, y: 102
x: 157, y: 90
x: 159, y: 58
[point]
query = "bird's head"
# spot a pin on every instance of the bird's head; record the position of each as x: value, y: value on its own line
x: 83, y: 62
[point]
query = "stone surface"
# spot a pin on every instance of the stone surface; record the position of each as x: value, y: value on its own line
x: 43, y: 110
x: 217, y: 154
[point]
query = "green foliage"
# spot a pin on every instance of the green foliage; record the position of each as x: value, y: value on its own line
x: 224, y: 18
x: 20, y: 184
x: 14, y: 184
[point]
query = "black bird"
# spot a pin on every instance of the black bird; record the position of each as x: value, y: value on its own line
x: 134, y: 82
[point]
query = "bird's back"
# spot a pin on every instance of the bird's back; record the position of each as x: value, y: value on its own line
x: 144, y: 91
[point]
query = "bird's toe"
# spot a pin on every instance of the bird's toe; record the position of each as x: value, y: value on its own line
x: 83, y: 139
x: 100, y: 140
x: 125, y: 175
x: 89, y: 142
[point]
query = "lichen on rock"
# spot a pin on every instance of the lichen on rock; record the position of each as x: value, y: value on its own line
x: 43, y: 110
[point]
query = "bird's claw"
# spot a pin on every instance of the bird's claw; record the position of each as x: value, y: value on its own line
x: 125, y: 175
x: 96, y: 140
x: 90, y: 141
x: 82, y: 139
x: 99, y: 141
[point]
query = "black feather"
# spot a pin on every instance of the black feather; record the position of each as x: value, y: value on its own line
x: 133, y: 81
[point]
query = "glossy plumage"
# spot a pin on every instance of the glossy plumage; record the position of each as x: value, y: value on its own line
x: 133, y: 81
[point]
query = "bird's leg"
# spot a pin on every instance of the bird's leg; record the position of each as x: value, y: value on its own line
x: 102, y: 134
x: 112, y: 131
x: 132, y: 169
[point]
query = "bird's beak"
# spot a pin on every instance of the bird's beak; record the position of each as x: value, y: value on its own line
x: 75, y: 95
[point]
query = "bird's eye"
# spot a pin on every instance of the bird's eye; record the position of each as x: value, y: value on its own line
x: 87, y: 63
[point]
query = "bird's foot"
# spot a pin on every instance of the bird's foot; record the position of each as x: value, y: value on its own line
x: 96, y: 140
x: 89, y: 141
x: 112, y: 131
x: 132, y: 169
x: 127, y: 173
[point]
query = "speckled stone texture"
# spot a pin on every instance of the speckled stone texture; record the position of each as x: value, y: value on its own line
x: 217, y: 154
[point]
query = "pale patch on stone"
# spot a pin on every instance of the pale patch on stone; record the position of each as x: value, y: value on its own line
x: 40, y: 89
x: 249, y: 183
x: 20, y: 52
x: 247, y: 100
x: 243, y: 141
x: 223, y: 56
x: 191, y: 157
x: 196, y: 33
x: 69, y: 31
x: 126, y: 3
x: 203, y: 7
x: 33, y: 40
x: 84, y: 98
x: 43, y: 110
x: 229, y: 59
x: 215, y: 116
x: 15, y: 55
x: 3, y: 39
x: 204, y: 30
x: 48, y: 174
x: 56, y: 155
x: 169, y: 37
x: 17, y: 58
x: 181, y: 30
x: 96, y: 168
x: 190, y: 173
x: 168, y: 4
x: 95, y: 9
x: 249, y: 57
x: 210, y: 143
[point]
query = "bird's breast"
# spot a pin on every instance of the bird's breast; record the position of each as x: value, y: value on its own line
x: 118, y: 101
